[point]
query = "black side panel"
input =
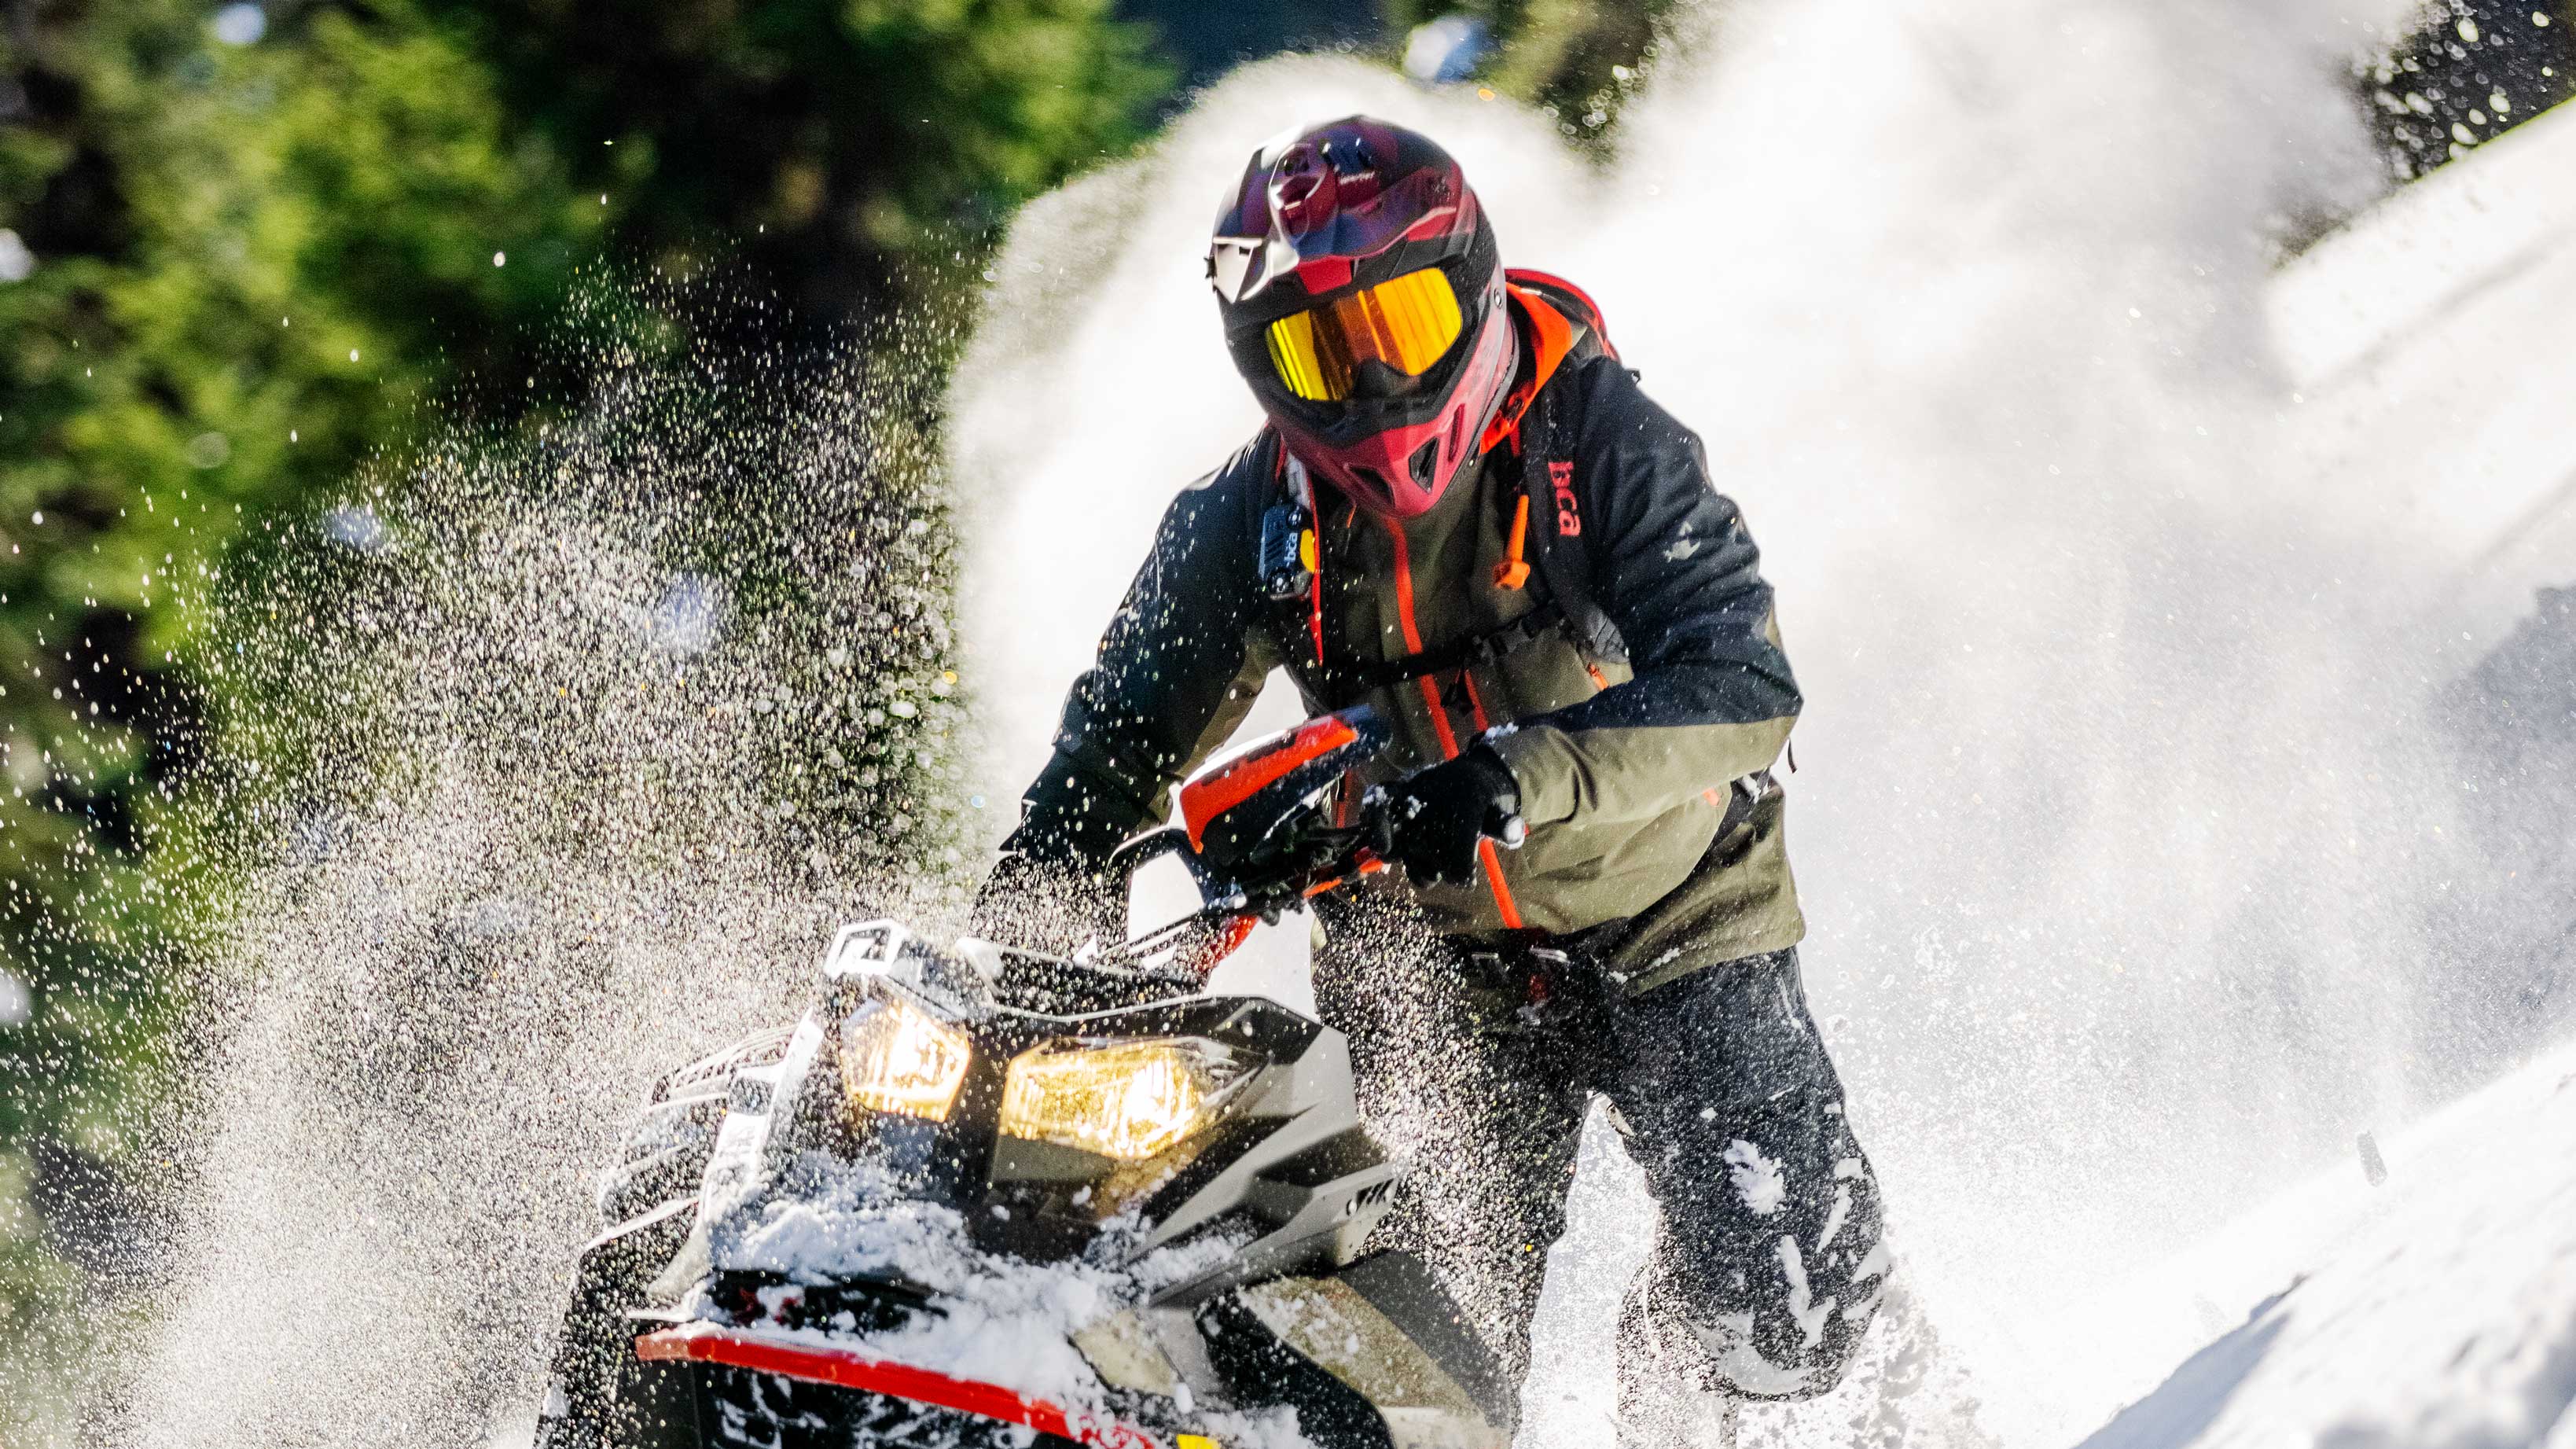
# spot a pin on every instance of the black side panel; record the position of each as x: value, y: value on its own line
x: 596, y: 1338
x: 1259, y: 1371
x: 657, y: 1408
x: 1399, y: 1286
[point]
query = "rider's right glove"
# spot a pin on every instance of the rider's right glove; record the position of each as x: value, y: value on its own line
x: 1431, y: 821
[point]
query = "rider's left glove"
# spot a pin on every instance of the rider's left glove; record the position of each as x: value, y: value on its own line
x: 1431, y: 821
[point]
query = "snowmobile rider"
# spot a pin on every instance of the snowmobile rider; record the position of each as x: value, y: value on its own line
x: 1465, y: 513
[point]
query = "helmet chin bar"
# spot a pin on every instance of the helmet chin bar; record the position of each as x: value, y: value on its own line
x: 1388, y: 454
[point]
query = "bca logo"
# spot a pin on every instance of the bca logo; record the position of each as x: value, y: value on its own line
x: 1560, y: 483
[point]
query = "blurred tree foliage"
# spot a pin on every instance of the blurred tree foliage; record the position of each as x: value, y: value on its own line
x: 241, y: 250
x: 1580, y: 60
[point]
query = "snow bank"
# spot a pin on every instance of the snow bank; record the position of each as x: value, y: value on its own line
x: 2435, y: 1312
x: 2428, y: 347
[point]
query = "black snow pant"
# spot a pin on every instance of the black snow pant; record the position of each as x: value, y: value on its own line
x: 1479, y: 1066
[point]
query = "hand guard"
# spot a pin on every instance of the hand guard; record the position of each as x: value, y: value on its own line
x: 1431, y: 821
x: 1048, y: 906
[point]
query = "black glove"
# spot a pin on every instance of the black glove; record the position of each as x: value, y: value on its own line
x: 1430, y: 821
x: 1047, y: 905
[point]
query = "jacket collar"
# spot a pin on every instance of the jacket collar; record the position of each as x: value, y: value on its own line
x: 1549, y: 340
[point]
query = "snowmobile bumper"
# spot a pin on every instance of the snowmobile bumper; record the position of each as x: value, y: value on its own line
x: 699, y: 1385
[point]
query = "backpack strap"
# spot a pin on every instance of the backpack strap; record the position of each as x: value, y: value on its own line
x: 1539, y: 428
x: 1286, y: 559
x: 1570, y: 301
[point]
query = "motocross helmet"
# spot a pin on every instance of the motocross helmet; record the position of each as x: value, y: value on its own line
x: 1362, y: 296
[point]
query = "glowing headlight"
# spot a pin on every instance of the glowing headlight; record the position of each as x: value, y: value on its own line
x: 895, y: 1057
x: 1128, y: 1100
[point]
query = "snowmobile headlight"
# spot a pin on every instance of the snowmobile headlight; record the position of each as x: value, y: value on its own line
x: 896, y: 1057
x: 1127, y: 1100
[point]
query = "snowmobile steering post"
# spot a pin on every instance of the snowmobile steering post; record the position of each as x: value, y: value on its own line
x: 1258, y: 838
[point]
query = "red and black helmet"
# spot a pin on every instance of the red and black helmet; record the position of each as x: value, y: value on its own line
x: 1362, y: 296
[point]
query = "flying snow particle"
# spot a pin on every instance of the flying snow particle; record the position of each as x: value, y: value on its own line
x: 16, y: 262
x: 240, y: 24
x: 500, y: 259
x: 16, y: 1005
x: 353, y: 354
x: 209, y: 450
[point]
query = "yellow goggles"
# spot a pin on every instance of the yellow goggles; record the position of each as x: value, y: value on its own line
x: 1406, y: 323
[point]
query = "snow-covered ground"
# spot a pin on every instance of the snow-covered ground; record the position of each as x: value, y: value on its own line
x: 2435, y: 1311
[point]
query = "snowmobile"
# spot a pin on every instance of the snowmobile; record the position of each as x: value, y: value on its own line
x: 980, y: 1196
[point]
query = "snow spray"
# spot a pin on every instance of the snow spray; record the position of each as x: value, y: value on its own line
x: 566, y: 754
x: 2113, y: 828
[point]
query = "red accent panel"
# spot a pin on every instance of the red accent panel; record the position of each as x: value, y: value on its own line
x: 1315, y: 586
x: 1503, y: 901
x: 1440, y: 222
x: 1210, y: 796
x: 1323, y: 274
x: 1235, y: 931
x: 1403, y: 584
x: 842, y: 1368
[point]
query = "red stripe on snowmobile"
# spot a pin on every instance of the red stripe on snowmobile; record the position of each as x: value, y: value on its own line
x: 841, y: 1368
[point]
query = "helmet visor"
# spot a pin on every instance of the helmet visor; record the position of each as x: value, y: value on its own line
x: 1407, y: 323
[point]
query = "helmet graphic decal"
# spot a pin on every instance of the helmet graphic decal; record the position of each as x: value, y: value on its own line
x: 1380, y: 381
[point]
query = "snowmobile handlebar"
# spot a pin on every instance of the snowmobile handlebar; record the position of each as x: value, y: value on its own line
x: 1261, y: 833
